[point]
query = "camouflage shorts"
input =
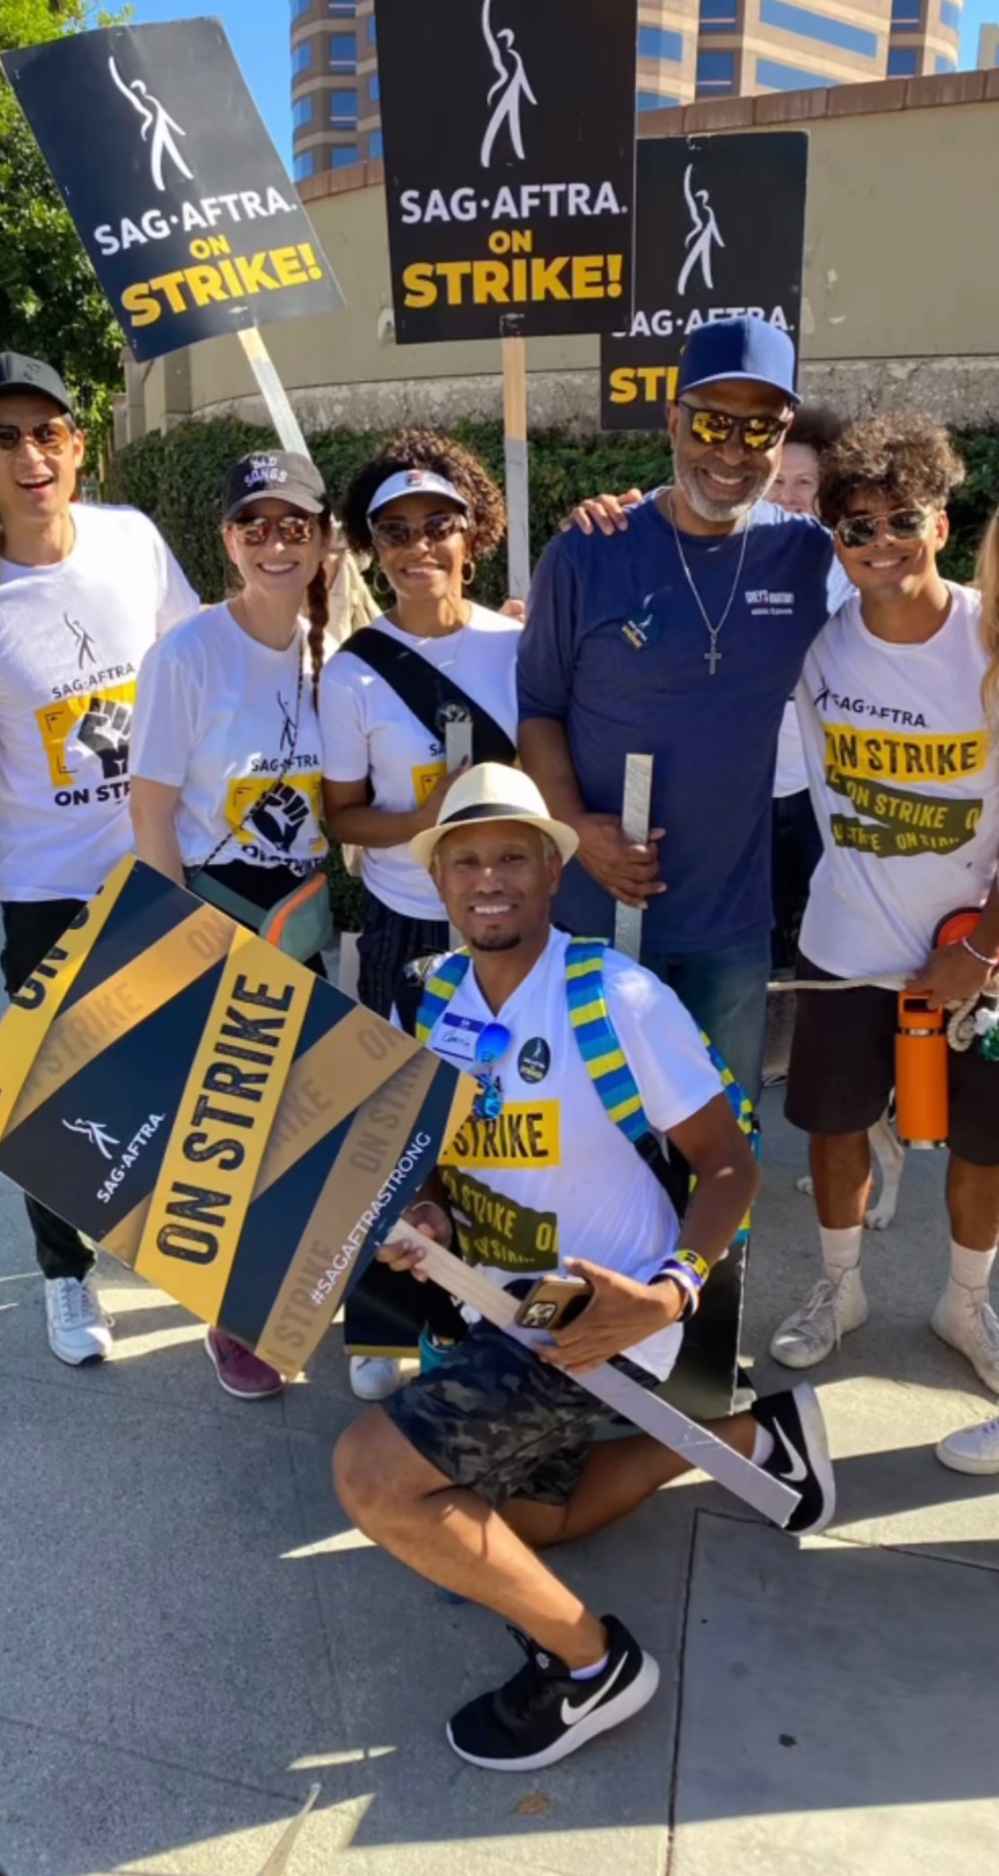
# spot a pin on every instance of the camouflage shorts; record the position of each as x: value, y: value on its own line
x: 494, y: 1418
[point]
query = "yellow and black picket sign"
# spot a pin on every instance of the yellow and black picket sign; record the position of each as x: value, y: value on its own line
x: 234, y: 1128
x: 181, y: 200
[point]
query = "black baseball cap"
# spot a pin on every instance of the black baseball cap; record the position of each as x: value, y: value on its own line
x: 279, y: 473
x: 33, y: 374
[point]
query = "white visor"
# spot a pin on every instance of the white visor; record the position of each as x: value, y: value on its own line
x: 414, y: 482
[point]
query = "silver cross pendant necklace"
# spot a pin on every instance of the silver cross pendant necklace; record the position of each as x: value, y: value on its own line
x: 712, y: 656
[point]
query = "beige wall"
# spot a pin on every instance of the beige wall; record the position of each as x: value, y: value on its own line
x: 901, y: 286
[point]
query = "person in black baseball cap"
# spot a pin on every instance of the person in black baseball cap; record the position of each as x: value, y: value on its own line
x: 281, y: 474
x: 84, y: 590
x: 18, y: 373
x: 227, y: 757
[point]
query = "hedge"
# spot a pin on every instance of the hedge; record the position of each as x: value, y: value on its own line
x: 177, y: 480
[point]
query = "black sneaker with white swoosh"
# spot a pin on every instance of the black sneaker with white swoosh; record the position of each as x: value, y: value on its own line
x: 800, y: 1457
x: 542, y: 1714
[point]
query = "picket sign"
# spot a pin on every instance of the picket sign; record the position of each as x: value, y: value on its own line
x: 457, y: 749
x: 518, y: 533
x: 644, y: 1409
x: 636, y: 810
x: 279, y: 405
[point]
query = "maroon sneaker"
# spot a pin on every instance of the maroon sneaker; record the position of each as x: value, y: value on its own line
x: 239, y: 1372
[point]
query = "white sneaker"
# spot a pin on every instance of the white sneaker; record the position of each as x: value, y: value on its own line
x: 965, y: 1319
x: 974, y: 1449
x: 79, y: 1331
x: 374, y: 1377
x: 814, y: 1330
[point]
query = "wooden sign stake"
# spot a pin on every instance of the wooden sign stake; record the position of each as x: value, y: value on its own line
x: 636, y: 810
x: 457, y: 749
x: 641, y: 1406
x: 514, y: 350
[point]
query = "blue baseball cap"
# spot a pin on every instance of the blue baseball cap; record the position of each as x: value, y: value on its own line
x: 739, y: 348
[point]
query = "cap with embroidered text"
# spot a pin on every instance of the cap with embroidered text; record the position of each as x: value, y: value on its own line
x: 277, y: 474
x: 414, y: 482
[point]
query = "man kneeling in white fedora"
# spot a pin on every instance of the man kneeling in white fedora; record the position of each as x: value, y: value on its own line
x: 485, y: 1459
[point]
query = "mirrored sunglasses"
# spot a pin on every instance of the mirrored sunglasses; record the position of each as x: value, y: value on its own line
x: 490, y: 1048
x: 52, y: 436
x: 714, y: 427
x: 902, y: 524
x: 293, y: 530
x: 394, y: 532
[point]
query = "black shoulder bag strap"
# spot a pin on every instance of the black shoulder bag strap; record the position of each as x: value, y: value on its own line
x: 427, y: 692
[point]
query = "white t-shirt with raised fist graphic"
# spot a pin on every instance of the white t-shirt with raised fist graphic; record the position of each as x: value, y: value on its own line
x: 72, y: 637
x: 216, y: 717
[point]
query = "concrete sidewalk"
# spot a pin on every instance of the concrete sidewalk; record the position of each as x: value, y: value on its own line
x: 190, y: 1635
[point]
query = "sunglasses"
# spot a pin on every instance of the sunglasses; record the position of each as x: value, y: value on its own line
x: 491, y: 1047
x: 902, y: 524
x: 293, y: 530
x: 714, y: 427
x: 394, y: 532
x: 51, y: 436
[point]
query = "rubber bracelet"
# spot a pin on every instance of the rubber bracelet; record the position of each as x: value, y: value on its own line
x: 694, y: 1262
x: 979, y: 956
x: 689, y: 1286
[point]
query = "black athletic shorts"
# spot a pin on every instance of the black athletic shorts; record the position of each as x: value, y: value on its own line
x: 842, y: 1070
x: 495, y: 1419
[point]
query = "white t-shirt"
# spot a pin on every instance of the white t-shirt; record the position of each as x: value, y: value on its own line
x: 368, y: 731
x: 905, y: 786
x: 215, y: 717
x: 791, y: 775
x: 72, y: 637
x: 553, y: 1177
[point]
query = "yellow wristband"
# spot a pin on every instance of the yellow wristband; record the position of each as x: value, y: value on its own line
x: 694, y: 1262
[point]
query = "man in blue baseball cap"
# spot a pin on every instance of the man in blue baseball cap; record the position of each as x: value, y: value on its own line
x: 679, y: 631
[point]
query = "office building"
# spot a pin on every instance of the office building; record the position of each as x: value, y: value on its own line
x: 335, y: 109
x: 988, y: 46
x: 687, y: 49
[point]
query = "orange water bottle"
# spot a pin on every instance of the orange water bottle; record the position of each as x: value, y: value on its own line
x: 922, y: 1095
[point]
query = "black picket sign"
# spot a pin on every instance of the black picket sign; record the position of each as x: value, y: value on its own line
x: 177, y: 191
x: 509, y: 133
x: 720, y: 230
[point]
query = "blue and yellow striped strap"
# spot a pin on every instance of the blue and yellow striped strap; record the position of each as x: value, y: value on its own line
x: 607, y: 1065
x: 448, y: 975
x: 603, y: 1056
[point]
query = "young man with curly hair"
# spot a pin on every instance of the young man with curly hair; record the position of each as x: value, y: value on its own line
x: 905, y: 784
x: 428, y: 511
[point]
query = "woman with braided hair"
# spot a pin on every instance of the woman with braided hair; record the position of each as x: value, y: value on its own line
x: 226, y: 755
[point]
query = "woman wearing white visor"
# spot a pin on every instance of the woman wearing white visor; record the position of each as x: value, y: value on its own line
x: 428, y: 512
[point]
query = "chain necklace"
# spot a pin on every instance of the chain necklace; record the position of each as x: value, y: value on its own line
x: 713, y: 656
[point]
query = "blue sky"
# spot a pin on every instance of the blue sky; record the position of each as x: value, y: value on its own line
x: 259, y: 34
x: 259, y: 31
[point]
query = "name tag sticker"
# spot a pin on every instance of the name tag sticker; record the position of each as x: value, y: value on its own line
x: 457, y: 1037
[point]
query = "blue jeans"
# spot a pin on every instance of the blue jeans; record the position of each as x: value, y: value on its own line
x: 726, y: 993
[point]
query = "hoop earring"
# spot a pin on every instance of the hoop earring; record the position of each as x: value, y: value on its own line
x: 468, y: 573
x: 386, y: 590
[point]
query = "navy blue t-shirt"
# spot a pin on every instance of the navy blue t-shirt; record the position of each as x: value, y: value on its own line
x: 615, y: 650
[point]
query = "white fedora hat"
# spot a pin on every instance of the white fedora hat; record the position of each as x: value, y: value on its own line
x: 493, y: 792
